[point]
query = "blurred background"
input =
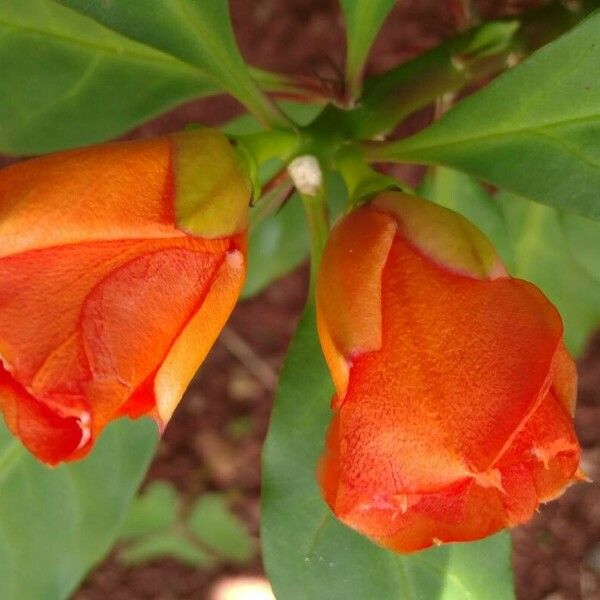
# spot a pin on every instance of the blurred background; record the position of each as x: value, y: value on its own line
x: 193, y: 531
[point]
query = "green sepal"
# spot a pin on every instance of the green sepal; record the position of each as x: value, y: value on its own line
x: 212, y: 185
x: 444, y: 236
x: 362, y: 181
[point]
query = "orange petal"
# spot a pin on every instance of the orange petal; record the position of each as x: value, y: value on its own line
x: 349, y: 292
x: 43, y: 431
x: 100, y: 284
x: 125, y: 190
x: 421, y: 450
x: 475, y: 354
x: 564, y: 382
x: 547, y: 448
x: 109, y: 192
x: 199, y: 334
x: 456, y: 515
x: 82, y: 327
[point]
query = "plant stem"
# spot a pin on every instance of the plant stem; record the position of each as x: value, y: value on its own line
x: 265, y: 145
x: 315, y: 208
x: 396, y: 94
x: 267, y: 113
x: 475, y: 54
x: 361, y: 180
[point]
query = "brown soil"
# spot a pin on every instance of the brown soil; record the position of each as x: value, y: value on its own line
x: 556, y: 556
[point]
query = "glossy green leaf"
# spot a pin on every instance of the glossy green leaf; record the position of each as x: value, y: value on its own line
x: 364, y: 19
x: 214, y: 524
x: 55, y: 524
x: 307, y: 552
x: 534, y: 131
x: 198, y: 32
x: 68, y: 81
x: 560, y: 253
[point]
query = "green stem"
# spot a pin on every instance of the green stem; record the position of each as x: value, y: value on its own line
x: 267, y: 113
x: 478, y: 53
x: 265, y: 145
x: 362, y: 181
x: 315, y: 208
x: 389, y: 99
x: 269, y: 203
x: 256, y: 149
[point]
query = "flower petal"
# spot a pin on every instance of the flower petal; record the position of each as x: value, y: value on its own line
x: 458, y: 423
x: 109, y: 192
x: 82, y: 327
x: 349, y: 295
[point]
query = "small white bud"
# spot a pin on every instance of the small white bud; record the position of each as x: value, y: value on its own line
x: 306, y: 174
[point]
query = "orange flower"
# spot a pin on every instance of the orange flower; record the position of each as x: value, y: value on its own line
x: 119, y: 265
x: 454, y: 392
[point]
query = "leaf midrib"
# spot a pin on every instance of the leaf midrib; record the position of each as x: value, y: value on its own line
x: 405, y: 148
x: 152, y: 54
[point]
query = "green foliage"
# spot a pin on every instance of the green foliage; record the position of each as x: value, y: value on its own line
x: 154, y: 510
x: 197, y: 33
x: 167, y: 544
x: 280, y: 243
x: 542, y: 255
x: 553, y: 250
x: 68, y: 81
x: 534, y: 131
x: 77, y: 71
x: 363, y: 19
x: 583, y: 239
x: 307, y: 552
x: 55, y: 524
x: 159, y: 526
x: 277, y: 246
x: 212, y: 522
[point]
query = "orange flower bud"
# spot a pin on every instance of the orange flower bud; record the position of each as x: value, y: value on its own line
x: 119, y: 265
x: 454, y: 392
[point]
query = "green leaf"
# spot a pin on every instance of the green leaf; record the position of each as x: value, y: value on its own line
x: 165, y: 545
x: 68, y: 81
x: 152, y: 511
x: 280, y: 242
x: 583, y: 238
x: 543, y: 255
x: 55, y: 524
x: 534, y: 131
x: 559, y: 253
x: 198, y: 32
x: 364, y: 19
x: 214, y: 524
x: 277, y: 246
x: 300, y: 113
x: 307, y: 552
